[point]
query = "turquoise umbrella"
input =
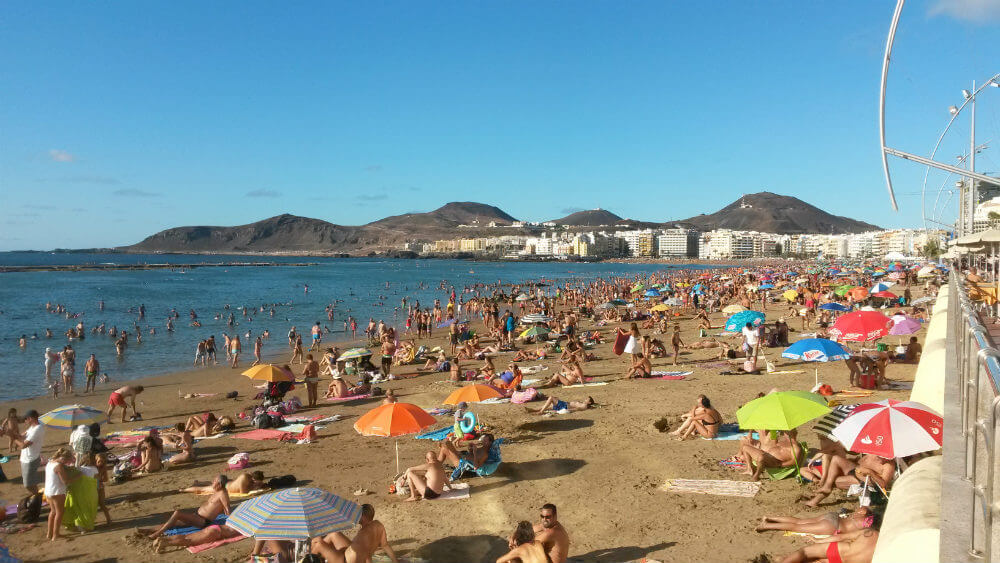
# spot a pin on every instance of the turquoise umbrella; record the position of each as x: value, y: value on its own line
x: 739, y: 320
x: 296, y: 514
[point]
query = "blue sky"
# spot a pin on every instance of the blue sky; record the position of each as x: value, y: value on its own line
x: 120, y: 119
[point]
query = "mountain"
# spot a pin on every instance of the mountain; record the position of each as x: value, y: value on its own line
x: 589, y: 218
x: 449, y: 215
x: 767, y: 212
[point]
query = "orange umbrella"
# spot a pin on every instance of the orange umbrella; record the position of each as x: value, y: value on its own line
x: 858, y: 293
x: 472, y: 394
x: 269, y: 373
x: 394, y: 419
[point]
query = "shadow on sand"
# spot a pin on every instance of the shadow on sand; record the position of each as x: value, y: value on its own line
x: 462, y: 549
x: 619, y: 554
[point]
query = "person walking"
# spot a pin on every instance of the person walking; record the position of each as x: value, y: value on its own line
x: 31, y: 452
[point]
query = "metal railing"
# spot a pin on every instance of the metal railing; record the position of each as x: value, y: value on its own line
x: 978, y: 366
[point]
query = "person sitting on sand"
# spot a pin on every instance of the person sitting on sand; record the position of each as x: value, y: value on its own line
x: 340, y: 388
x: 842, y: 473
x: 243, y: 484
x: 151, y: 455
x: 509, y: 380
x: 702, y: 418
x: 556, y: 405
x: 117, y: 399
x: 183, y: 440
x: 436, y: 364
x: 488, y: 370
x: 427, y: 480
x: 826, y: 525
x: 572, y: 374
x: 390, y: 397
x: 770, y: 455
x: 640, y: 368
x: 524, y: 548
x: 205, y: 425
x: 336, y: 548
x: 551, y: 533
x: 206, y: 514
x: 853, y: 547
x: 478, y: 453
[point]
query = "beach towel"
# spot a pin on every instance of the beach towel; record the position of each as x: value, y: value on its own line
x: 455, y: 491
x: 494, y: 401
x: 747, y: 489
x: 806, y: 335
x: 488, y: 468
x: 264, y: 434
x: 591, y: 384
x: 350, y: 398
x: 669, y: 375
x: 730, y: 431
x: 213, y: 545
x: 247, y: 494
x: 128, y: 440
x: 212, y: 437
x: 435, y: 435
x: 298, y: 427
x: 527, y: 382
x: 620, y: 341
x: 785, y: 372
x: 184, y: 530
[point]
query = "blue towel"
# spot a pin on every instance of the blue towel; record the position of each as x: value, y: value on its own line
x: 731, y: 432
x: 492, y: 463
x: 220, y: 520
x: 436, y: 435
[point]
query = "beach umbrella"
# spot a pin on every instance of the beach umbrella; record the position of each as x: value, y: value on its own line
x: 896, y: 276
x: 535, y: 331
x: 522, y: 297
x: 535, y: 318
x: 739, y: 320
x: 660, y: 307
x: 790, y: 294
x: 269, y: 373
x: 394, y: 420
x: 472, y: 394
x: 446, y: 323
x: 861, y: 326
x: 782, y: 410
x: 766, y: 286
x: 858, y: 293
x: 816, y: 350
x: 71, y: 416
x: 881, y: 286
x: 733, y: 309
x: 922, y: 300
x: 906, y: 326
x: 354, y: 353
x: 674, y: 301
x: 652, y: 293
x: 618, y: 302
x: 885, y: 295
x: 638, y: 287
x: 835, y: 307
x: 605, y: 306
x: 891, y: 428
x: 295, y: 514
x: 926, y: 272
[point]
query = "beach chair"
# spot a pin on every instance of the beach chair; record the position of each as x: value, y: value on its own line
x: 492, y: 463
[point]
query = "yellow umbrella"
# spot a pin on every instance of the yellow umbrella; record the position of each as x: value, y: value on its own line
x: 472, y: 394
x: 790, y: 295
x: 660, y: 307
x: 267, y: 372
x: 733, y: 309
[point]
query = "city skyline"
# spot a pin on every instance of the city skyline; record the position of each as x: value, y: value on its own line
x: 353, y: 113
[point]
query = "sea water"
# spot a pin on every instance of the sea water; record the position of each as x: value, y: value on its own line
x: 360, y: 287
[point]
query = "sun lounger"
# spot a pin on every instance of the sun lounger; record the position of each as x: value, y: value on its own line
x: 492, y: 463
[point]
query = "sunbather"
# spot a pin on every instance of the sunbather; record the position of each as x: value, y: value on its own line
x: 426, y: 480
x: 206, y: 514
x: 641, y: 367
x: 572, y: 374
x: 478, y: 453
x: 826, y: 525
x: 842, y: 473
x: 524, y: 547
x: 702, y: 418
x: 151, y: 452
x: 853, y: 547
x: 242, y: 484
x: 336, y: 548
x: 208, y: 534
x: 556, y: 405
x: 770, y: 455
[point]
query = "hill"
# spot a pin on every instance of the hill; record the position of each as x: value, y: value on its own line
x: 589, y: 218
x: 767, y: 212
x: 449, y: 215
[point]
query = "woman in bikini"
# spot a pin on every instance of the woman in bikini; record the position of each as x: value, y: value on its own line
x: 827, y: 524
x: 703, y: 419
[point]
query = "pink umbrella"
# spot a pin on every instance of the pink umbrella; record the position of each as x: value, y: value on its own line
x: 906, y: 326
x: 896, y: 276
x: 891, y: 429
x: 861, y: 326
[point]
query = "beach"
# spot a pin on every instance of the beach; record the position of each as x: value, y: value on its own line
x: 604, y: 467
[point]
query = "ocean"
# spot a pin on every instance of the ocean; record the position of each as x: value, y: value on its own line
x: 356, y: 285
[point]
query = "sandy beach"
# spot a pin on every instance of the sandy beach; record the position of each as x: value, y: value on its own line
x: 603, y: 468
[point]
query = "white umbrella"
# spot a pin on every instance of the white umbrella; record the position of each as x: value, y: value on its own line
x: 891, y: 428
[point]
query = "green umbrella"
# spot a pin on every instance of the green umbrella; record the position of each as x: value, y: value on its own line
x: 783, y: 410
x: 843, y: 289
x: 638, y: 287
x: 535, y: 331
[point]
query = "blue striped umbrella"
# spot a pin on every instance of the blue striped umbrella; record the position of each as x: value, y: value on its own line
x: 294, y: 514
x: 71, y: 416
x: 739, y: 320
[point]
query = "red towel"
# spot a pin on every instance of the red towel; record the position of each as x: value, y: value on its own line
x: 264, y: 434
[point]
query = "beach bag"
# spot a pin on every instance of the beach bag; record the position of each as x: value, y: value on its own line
x: 825, y: 390
x: 400, y: 486
x: 29, y: 509
x: 122, y: 472
x: 239, y: 461
x: 262, y: 420
x: 281, y: 482
x: 521, y: 397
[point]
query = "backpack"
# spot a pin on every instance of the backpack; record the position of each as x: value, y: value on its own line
x: 281, y: 482
x: 262, y: 420
x: 29, y: 508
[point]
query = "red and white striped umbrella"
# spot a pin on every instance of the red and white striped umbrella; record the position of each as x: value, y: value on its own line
x: 891, y: 429
x: 860, y: 326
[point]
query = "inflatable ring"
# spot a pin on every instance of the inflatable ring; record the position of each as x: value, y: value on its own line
x: 467, y: 423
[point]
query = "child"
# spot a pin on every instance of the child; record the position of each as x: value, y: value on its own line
x: 11, y: 427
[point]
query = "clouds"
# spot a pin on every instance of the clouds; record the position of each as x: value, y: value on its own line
x: 263, y: 193
x: 133, y: 192
x: 975, y: 11
x: 58, y: 155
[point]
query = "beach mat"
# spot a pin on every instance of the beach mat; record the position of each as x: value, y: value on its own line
x: 184, y: 530
x: 348, y: 399
x: 785, y: 372
x: 435, y: 435
x: 456, y: 491
x: 263, y: 434
x: 729, y: 432
x: 669, y: 375
x: 747, y: 489
x: 594, y: 384
x: 213, y: 545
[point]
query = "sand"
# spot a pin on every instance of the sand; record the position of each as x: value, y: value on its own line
x: 603, y: 468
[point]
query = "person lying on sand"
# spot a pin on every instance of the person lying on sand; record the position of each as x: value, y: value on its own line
x: 437, y: 363
x: 206, y: 514
x: 531, y: 355
x: 242, y: 484
x: 770, y: 454
x: 572, y: 374
x: 426, y: 480
x: 842, y: 473
x: 478, y: 453
x: 524, y: 547
x: 336, y: 548
x: 208, y: 534
x: 556, y: 405
x: 825, y: 525
x: 723, y: 347
x: 640, y: 368
x: 702, y: 418
x: 206, y: 424
x: 852, y: 547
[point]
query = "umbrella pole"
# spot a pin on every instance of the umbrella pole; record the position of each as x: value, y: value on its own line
x: 397, y: 457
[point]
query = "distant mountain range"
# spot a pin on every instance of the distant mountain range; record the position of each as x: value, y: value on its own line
x: 764, y: 212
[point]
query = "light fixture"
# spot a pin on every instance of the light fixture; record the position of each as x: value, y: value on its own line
x: 966, y: 94
x: 953, y: 110
x: 994, y: 83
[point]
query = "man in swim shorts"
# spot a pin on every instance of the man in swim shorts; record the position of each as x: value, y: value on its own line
x: 117, y: 399
x: 851, y: 547
x: 91, y: 368
x: 206, y: 514
x: 336, y: 548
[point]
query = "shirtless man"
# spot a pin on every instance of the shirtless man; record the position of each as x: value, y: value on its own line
x: 216, y: 504
x: 842, y: 473
x: 770, y: 454
x: 851, y: 547
x: 90, y: 369
x: 641, y: 367
x: 242, y: 484
x: 676, y: 342
x: 388, y: 351
x: 552, y: 534
x: 524, y: 548
x: 310, y: 374
x: 117, y: 399
x: 427, y: 480
x: 556, y: 405
x: 209, y: 534
x: 336, y: 548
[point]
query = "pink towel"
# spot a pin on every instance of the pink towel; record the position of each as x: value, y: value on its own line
x: 263, y: 434
x: 206, y: 546
x: 670, y: 377
x: 350, y: 398
x: 124, y: 440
